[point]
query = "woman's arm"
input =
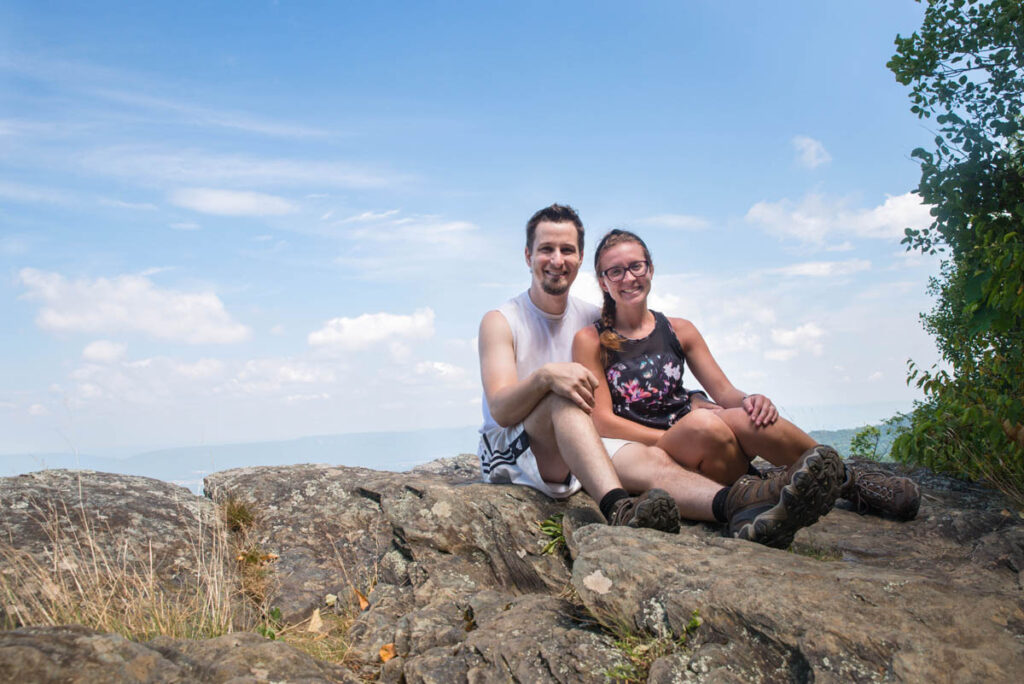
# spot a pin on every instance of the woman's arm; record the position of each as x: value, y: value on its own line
x: 712, y: 378
x: 586, y: 349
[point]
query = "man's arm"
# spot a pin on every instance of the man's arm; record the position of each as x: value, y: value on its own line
x: 511, y: 399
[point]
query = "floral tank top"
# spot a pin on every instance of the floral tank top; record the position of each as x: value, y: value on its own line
x: 645, y: 377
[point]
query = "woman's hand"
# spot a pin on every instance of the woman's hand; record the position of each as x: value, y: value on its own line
x: 761, y: 410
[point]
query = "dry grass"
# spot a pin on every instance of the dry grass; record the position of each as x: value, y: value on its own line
x: 86, y: 579
x: 82, y: 581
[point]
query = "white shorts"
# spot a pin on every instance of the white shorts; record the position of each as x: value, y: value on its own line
x: 506, y: 458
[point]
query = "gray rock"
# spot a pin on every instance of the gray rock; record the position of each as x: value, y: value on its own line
x: 336, y: 528
x: 74, y: 518
x: 772, y: 615
x: 74, y: 653
x: 457, y: 584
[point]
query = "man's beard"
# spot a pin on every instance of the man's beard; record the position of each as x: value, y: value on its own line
x: 553, y: 289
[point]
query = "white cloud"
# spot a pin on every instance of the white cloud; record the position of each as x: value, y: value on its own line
x: 440, y: 369
x: 201, y: 369
x: 823, y: 269
x: 231, y: 202
x: 810, y: 152
x: 676, y: 221
x: 129, y: 303
x: 38, y: 410
x: 817, y: 218
x: 366, y: 330
x: 271, y: 376
x: 104, y: 351
x: 876, y: 376
x: 185, y: 225
x: 145, y: 381
x: 806, y: 337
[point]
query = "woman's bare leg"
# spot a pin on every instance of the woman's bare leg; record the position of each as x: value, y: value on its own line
x: 780, y: 443
x: 703, y: 442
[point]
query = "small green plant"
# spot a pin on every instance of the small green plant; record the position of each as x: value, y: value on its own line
x: 641, y: 650
x: 814, y: 551
x: 271, y: 624
x: 552, y: 527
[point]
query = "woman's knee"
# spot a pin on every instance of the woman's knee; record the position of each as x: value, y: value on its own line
x: 712, y: 433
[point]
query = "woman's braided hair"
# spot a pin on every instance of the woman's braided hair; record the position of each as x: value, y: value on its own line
x: 609, y: 338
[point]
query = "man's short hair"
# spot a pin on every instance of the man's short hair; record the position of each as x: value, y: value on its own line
x: 556, y: 213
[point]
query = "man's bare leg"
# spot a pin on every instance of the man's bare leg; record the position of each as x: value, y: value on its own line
x: 642, y: 467
x: 564, y: 440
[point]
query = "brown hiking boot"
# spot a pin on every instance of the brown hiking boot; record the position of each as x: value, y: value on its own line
x: 770, y: 511
x: 655, y: 509
x: 873, y: 491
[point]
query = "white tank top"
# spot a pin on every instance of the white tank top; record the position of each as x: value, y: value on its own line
x: 539, y: 337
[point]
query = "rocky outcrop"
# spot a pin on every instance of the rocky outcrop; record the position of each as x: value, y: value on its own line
x: 74, y: 653
x: 457, y: 586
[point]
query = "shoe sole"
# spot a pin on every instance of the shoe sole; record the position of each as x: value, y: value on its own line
x: 810, y: 494
x: 657, y: 512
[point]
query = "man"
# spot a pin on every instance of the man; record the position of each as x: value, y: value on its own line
x: 537, y: 429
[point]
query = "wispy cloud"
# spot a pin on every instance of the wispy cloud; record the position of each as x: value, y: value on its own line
x: 126, y: 90
x: 19, y: 192
x: 675, y: 221
x: 817, y: 218
x: 366, y: 216
x: 231, y: 202
x: 823, y: 269
x: 129, y: 303
x: 810, y: 153
x: 193, y: 166
x: 414, y: 245
x: 190, y: 113
x: 121, y: 204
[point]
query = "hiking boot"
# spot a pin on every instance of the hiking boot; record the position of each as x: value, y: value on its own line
x: 873, y: 491
x: 655, y: 509
x: 770, y: 511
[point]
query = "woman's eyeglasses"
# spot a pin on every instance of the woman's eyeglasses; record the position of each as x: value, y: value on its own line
x: 617, y: 273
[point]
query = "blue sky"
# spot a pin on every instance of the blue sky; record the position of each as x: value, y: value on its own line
x: 263, y: 220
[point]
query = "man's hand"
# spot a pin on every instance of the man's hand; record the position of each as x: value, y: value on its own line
x: 760, y: 409
x: 572, y: 381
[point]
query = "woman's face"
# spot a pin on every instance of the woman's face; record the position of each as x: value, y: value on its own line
x: 631, y: 288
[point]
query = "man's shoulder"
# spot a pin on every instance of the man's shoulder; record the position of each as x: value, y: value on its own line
x: 584, y: 309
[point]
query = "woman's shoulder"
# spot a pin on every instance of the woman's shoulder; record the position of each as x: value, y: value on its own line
x: 683, y: 328
x: 587, y: 333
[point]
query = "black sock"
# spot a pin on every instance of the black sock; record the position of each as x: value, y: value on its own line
x: 718, y: 505
x: 609, y: 500
x: 751, y: 470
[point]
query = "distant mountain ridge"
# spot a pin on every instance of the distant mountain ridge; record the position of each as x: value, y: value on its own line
x: 392, y: 451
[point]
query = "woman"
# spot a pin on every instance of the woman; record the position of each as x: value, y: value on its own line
x: 639, y: 357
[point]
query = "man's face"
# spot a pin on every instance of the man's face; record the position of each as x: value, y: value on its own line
x: 555, y: 257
